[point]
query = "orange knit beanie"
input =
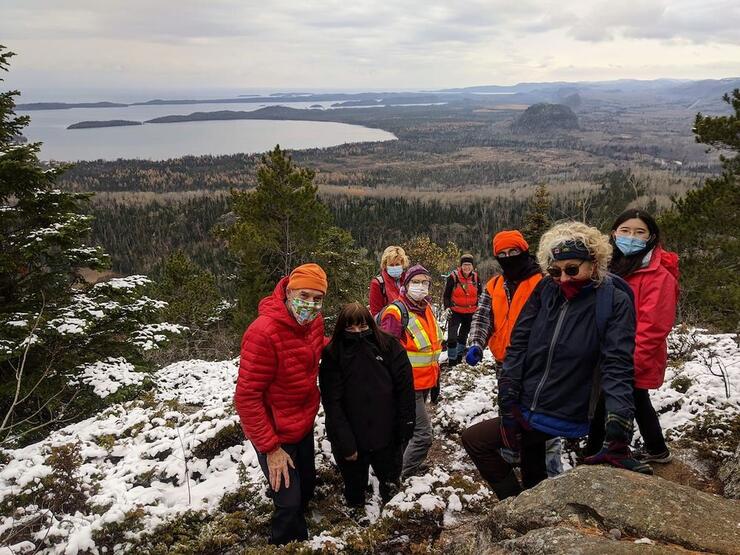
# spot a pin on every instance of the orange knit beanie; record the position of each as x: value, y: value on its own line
x: 510, y: 239
x: 308, y: 276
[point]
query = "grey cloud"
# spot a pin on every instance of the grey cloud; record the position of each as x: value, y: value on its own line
x: 698, y: 22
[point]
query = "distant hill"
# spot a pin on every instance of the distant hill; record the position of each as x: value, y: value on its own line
x: 109, y: 123
x: 66, y: 105
x: 546, y: 117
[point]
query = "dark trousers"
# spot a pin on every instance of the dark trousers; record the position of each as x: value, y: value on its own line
x: 458, y: 328
x: 483, y: 442
x: 386, y: 464
x: 645, y: 417
x: 288, y: 521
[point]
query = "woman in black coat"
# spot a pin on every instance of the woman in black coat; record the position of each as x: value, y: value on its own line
x: 367, y: 391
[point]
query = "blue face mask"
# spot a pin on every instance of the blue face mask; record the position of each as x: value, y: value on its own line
x: 629, y: 245
x: 394, y: 271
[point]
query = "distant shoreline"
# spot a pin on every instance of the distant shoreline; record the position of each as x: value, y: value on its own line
x: 275, y: 113
x: 99, y: 124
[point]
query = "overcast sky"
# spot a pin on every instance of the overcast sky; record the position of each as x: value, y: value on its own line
x: 238, y: 45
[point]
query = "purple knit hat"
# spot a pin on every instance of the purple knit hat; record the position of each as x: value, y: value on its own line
x: 416, y: 270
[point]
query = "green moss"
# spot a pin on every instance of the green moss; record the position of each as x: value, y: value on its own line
x: 226, y: 437
x: 112, y: 535
x: 681, y: 383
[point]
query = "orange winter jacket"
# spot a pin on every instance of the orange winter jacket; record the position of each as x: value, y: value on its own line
x: 506, y: 311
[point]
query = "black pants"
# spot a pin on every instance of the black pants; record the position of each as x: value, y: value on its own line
x: 483, y: 442
x: 458, y: 328
x: 645, y: 417
x: 288, y: 521
x: 386, y: 464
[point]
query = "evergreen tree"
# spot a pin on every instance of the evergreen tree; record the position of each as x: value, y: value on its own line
x: 191, y: 293
x: 703, y: 227
x: 439, y: 260
x: 279, y: 225
x: 537, y: 220
x: 56, y: 330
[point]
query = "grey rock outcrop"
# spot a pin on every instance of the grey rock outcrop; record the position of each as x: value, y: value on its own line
x: 729, y: 474
x: 592, y: 510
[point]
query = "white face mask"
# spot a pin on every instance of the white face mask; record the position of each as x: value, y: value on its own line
x: 417, y: 291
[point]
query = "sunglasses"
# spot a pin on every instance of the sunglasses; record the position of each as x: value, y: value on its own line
x: 569, y: 270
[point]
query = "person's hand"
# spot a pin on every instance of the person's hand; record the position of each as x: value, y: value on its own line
x: 277, y: 464
x: 511, y: 434
x: 352, y: 457
x: 474, y: 356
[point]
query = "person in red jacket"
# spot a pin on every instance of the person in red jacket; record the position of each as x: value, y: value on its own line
x: 652, y: 273
x: 277, y: 396
x: 386, y: 286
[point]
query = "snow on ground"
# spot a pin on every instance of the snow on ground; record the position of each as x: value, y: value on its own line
x: 181, y: 448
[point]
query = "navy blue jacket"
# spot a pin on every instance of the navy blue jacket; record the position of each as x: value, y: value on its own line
x: 555, y: 350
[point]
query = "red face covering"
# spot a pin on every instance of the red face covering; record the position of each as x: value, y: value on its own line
x: 572, y: 287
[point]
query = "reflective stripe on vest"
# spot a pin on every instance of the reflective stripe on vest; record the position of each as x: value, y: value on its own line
x: 423, y: 347
x: 505, y: 314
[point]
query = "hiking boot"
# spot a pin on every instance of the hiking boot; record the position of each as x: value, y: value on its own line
x: 648, y: 457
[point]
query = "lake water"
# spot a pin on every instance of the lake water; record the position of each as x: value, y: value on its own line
x: 172, y: 140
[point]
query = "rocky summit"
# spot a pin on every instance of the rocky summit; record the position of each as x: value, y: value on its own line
x: 605, y: 510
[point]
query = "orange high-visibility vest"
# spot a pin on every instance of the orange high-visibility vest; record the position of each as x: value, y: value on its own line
x: 465, y: 293
x: 505, y: 314
x: 423, y: 344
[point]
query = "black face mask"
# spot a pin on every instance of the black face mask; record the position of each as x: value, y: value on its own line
x: 515, y: 267
x: 357, y: 335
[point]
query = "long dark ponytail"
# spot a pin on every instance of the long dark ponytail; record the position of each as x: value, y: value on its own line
x: 624, y: 265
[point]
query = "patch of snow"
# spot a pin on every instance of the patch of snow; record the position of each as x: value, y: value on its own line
x: 108, y: 376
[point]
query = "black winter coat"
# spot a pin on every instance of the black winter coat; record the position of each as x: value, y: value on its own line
x: 555, y: 350
x: 368, y: 395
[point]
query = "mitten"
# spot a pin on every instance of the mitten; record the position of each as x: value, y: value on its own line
x: 474, y: 356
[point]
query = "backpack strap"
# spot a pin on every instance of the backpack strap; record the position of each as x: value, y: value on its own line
x: 401, y: 308
x: 605, y: 300
x: 381, y: 282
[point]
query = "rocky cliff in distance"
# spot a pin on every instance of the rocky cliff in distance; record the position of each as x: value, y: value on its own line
x: 548, y: 118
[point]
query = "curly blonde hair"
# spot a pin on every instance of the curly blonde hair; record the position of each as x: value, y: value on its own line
x: 596, y: 242
x: 394, y: 253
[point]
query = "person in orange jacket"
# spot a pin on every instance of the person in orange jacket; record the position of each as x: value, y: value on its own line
x: 503, y: 297
x: 410, y: 318
x: 500, y: 304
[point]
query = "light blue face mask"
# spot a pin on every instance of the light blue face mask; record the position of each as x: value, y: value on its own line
x: 629, y: 245
x: 394, y: 271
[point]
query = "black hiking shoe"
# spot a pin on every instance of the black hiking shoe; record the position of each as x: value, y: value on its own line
x: 659, y: 458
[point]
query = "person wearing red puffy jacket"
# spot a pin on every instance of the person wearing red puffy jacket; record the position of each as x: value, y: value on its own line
x: 652, y: 273
x: 277, y: 396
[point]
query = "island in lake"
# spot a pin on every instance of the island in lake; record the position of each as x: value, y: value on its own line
x: 109, y: 123
x: 67, y: 105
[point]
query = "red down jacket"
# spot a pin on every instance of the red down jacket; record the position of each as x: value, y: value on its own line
x: 656, y: 295
x: 277, y: 396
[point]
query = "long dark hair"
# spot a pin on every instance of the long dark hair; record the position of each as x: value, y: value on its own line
x: 355, y: 314
x: 624, y: 265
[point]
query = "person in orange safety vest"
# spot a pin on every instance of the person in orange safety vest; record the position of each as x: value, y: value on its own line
x: 411, y: 319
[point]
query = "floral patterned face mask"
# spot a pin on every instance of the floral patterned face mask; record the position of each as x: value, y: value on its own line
x: 305, y: 311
